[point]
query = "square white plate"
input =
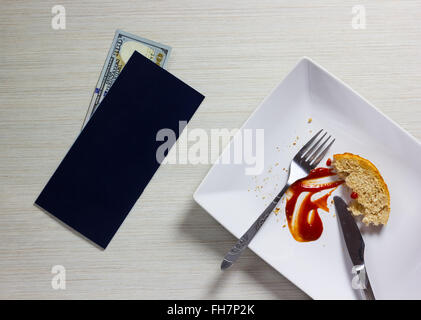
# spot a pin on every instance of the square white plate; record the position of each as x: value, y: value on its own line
x: 322, y: 268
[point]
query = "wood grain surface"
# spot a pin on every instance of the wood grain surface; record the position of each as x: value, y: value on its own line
x: 234, y: 52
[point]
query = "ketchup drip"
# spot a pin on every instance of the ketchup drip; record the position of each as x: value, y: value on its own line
x: 304, y: 222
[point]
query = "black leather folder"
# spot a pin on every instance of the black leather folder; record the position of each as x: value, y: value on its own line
x: 114, y: 157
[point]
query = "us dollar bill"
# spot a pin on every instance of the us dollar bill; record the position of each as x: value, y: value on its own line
x: 122, y: 47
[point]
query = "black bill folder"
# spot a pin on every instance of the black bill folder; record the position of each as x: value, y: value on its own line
x: 114, y: 157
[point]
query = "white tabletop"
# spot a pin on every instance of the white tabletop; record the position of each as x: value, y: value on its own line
x: 233, y: 52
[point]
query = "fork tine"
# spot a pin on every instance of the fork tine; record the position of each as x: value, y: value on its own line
x: 320, y: 157
x: 309, y: 152
x: 307, y: 145
x: 315, y: 153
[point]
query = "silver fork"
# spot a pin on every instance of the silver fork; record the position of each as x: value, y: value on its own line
x: 304, y: 161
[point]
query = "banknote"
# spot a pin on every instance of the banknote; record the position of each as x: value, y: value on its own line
x: 122, y: 47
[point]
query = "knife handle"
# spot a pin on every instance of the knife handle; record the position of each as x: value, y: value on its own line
x: 244, y: 241
x: 368, y: 291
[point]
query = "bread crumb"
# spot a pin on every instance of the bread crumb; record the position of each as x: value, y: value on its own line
x: 309, y: 120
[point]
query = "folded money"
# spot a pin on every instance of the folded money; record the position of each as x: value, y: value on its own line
x: 122, y: 48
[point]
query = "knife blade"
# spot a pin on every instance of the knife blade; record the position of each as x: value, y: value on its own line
x: 354, y: 243
x: 353, y: 239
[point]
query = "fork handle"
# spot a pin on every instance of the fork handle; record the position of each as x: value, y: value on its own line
x: 244, y: 241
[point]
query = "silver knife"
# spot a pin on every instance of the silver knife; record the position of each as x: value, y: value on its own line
x: 355, y: 244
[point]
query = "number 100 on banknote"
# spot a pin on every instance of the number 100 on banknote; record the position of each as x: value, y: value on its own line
x: 123, y: 46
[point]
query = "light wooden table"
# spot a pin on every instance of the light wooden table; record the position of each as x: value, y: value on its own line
x: 233, y: 52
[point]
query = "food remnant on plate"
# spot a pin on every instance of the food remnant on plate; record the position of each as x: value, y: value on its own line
x: 363, y: 178
x: 354, y: 195
x: 303, y: 220
x: 329, y: 162
x: 309, y: 120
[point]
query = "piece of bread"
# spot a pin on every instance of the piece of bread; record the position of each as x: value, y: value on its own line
x: 371, y: 192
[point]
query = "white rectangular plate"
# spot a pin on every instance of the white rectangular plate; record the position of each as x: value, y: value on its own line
x: 322, y: 268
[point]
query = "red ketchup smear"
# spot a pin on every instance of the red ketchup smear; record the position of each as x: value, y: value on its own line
x: 354, y: 195
x: 300, y: 227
